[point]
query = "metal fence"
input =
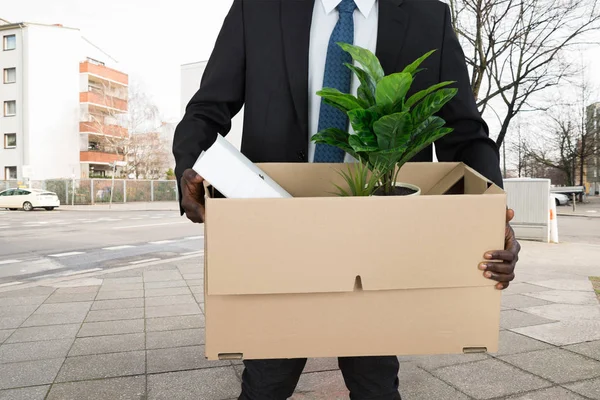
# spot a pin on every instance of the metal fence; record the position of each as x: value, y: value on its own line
x: 93, y: 191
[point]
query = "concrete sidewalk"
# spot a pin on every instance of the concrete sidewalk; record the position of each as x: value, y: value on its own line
x: 590, y: 208
x: 133, y: 206
x: 139, y: 334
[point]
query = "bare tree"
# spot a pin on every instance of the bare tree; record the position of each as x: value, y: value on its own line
x: 148, y: 156
x: 519, y: 48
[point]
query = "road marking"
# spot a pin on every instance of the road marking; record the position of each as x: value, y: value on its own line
x: 10, y: 284
x: 191, y: 253
x: 83, y: 219
x: 9, y: 262
x: 194, y: 238
x: 137, y: 218
x: 155, y: 217
x: 144, y: 261
x: 126, y: 246
x: 85, y: 271
x: 162, y: 242
x: 4, y: 226
x: 73, y: 253
x: 144, y: 226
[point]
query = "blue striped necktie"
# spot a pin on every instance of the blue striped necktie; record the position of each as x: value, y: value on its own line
x: 337, y: 76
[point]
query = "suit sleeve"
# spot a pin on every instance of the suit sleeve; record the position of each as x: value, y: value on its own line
x: 469, y: 142
x: 219, y: 99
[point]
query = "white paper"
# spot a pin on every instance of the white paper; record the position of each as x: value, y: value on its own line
x: 234, y: 175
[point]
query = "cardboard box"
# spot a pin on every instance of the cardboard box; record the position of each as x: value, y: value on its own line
x: 319, y: 275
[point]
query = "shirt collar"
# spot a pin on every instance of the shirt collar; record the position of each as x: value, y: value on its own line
x: 364, y: 6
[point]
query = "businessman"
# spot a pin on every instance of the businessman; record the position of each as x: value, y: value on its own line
x: 272, y: 57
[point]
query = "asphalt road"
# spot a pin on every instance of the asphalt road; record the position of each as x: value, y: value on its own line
x: 579, y: 229
x: 41, y: 244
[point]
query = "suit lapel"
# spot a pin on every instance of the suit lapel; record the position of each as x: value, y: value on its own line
x: 391, y: 34
x: 296, y: 19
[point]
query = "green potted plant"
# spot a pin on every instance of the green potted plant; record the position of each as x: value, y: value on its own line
x: 389, y: 129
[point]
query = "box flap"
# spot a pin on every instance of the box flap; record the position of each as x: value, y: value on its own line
x: 335, y: 244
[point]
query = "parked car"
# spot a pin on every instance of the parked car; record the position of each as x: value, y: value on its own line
x: 28, y: 199
x: 560, y: 199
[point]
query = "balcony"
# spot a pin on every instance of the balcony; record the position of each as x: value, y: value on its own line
x: 100, y: 129
x: 99, y: 157
x: 103, y: 72
x: 99, y: 100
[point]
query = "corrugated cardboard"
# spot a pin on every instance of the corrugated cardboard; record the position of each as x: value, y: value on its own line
x: 319, y: 275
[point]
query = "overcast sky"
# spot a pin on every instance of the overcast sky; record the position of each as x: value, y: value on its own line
x: 151, y: 38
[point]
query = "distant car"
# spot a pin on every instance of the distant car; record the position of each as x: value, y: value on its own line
x: 28, y: 199
x: 560, y: 199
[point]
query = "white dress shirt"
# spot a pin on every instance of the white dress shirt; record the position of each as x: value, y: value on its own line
x: 325, y: 17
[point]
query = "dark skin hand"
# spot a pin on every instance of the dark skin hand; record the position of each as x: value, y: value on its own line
x: 192, y: 195
x: 502, y: 269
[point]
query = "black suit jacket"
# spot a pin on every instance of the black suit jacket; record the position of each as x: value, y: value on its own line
x: 260, y: 60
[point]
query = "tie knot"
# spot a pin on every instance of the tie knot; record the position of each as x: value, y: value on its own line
x: 347, y: 6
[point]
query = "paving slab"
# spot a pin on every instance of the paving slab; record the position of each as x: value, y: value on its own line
x: 590, y: 388
x: 78, y: 289
x: 174, y: 291
x: 175, y: 323
x: 64, y: 308
x: 111, y: 328
x: 563, y: 333
x: 13, y: 322
x: 29, y: 373
x: 567, y: 297
x: 162, y: 276
x: 195, y: 282
x: 125, y: 388
x: 520, y: 288
x: 108, y: 344
x: 115, y: 314
x: 124, y: 281
x: 322, y: 385
x: 556, y: 365
x: 170, y: 300
x: 28, y: 393
x: 589, y: 349
x: 118, y: 304
x: 40, y: 333
x: 196, y: 275
x: 30, y: 351
x: 554, y: 393
x: 513, y: 343
x: 514, y: 301
x: 562, y: 312
x: 165, y: 285
x: 172, y: 311
x: 321, y: 364
x: 416, y: 383
x: 180, y: 358
x: 120, y: 294
x: 516, y: 319
x: 433, y: 362
x: 488, y: 379
x: 4, y: 334
x: 54, y: 319
x: 179, y: 338
x: 35, y: 291
x: 102, y: 366
x: 11, y: 311
x: 23, y: 301
x: 121, y: 287
x: 583, y: 285
x: 206, y: 384
x: 71, y: 297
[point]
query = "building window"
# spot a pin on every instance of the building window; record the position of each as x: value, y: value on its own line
x: 10, y: 140
x: 10, y: 75
x: 10, y: 42
x: 10, y: 173
x: 10, y: 108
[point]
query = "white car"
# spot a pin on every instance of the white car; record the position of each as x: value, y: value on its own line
x: 561, y: 199
x: 28, y: 199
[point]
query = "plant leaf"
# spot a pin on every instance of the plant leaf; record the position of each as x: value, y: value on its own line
x: 342, y: 101
x: 391, y: 91
x: 413, y: 68
x: 414, y: 99
x: 393, y: 130
x: 365, y: 58
x: 334, y: 137
x: 360, y: 146
x: 366, y: 90
x: 431, y: 104
x: 363, y: 120
x: 423, y: 143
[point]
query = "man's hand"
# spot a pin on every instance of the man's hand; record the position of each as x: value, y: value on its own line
x: 192, y: 195
x: 503, y: 270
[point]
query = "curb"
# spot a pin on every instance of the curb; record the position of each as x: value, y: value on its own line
x: 578, y: 215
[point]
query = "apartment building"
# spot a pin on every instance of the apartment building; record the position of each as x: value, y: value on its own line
x: 57, y: 104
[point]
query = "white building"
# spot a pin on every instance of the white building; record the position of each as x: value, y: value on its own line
x: 191, y: 75
x: 46, y: 93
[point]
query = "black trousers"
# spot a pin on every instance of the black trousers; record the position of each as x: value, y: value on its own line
x: 367, y: 378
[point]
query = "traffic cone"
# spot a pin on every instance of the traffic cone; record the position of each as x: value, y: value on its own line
x: 553, y: 222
